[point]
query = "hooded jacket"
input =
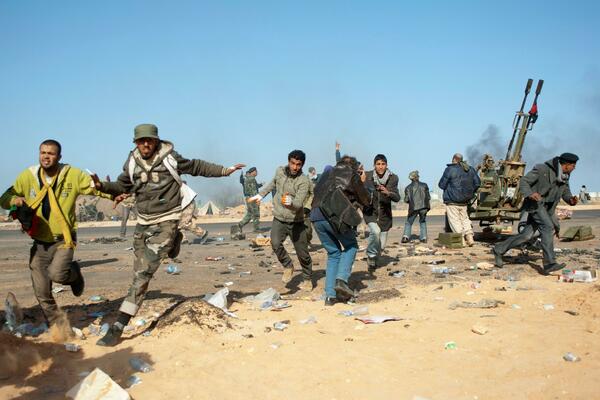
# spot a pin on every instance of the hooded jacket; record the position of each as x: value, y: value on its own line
x: 70, y: 183
x: 459, y: 183
x: 157, y: 193
x: 299, y: 187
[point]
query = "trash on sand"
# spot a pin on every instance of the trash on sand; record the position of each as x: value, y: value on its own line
x: 245, y: 273
x: 140, y: 322
x: 211, y: 258
x: 96, y: 314
x: 310, y: 320
x: 13, y: 312
x: 363, y: 310
x: 104, y: 329
x: 58, y: 289
x: 571, y: 357
x: 486, y: 266
x: 378, y: 319
x: 434, y: 262
x: 139, y: 365
x: 97, y: 385
x: 516, y: 306
x: 228, y: 283
x: 281, y: 325
x: 397, y: 274
x: 479, y: 329
x: 128, y: 248
x: 173, y: 269
x: 78, y: 333
x: 571, y: 312
x: 72, y: 347
x: 28, y: 329
x: 261, y: 241
x: 568, y: 275
x: 96, y: 297
x: 133, y: 380
x: 276, y: 345
x: 548, y: 307
x: 219, y: 299
x: 450, y: 345
x: 443, y: 270
x: 483, y: 303
x: 269, y: 294
x: 274, y: 305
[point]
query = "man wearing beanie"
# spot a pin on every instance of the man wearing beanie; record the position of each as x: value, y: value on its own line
x: 542, y: 188
x: 418, y: 198
x: 382, y: 184
x: 152, y: 173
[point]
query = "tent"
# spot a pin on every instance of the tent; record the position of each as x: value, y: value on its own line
x: 209, y: 209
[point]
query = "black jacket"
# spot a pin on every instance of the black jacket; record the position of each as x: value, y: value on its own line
x: 417, y: 196
x: 380, y: 208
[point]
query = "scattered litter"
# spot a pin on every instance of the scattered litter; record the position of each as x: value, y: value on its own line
x: 443, y: 270
x: 128, y: 248
x: 139, y: 365
x: 274, y: 305
x: 228, y: 283
x: 269, y: 294
x: 378, y: 319
x: 78, y: 333
x: 450, y: 345
x: 486, y: 266
x: 140, y: 322
x: 133, y: 380
x: 97, y: 385
x: 276, y: 345
x: 28, y: 329
x: 104, y: 329
x: 310, y: 320
x: 72, y: 347
x: 261, y: 241
x: 363, y: 310
x: 571, y: 357
x: 211, y: 258
x: 397, y: 274
x: 245, y: 273
x: 173, y: 269
x: 548, y: 307
x: 516, y: 306
x: 483, y: 303
x: 434, y: 262
x: 479, y: 329
x: 568, y: 275
x: 281, y: 325
x: 96, y: 297
x: 571, y: 312
x: 231, y: 267
x: 58, y: 289
x: 219, y: 299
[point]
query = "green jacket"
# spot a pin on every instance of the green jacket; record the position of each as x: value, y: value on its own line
x: 250, y: 186
x: 157, y: 193
x: 297, y: 186
x: 71, y: 183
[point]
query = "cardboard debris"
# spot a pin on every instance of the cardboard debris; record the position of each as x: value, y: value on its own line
x: 97, y: 386
x: 261, y: 241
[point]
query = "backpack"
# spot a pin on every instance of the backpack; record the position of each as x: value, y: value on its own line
x: 339, y: 211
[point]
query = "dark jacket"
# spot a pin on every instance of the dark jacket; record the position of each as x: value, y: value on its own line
x: 346, y: 179
x: 380, y: 208
x: 459, y: 183
x: 157, y: 193
x: 543, y: 179
x: 417, y: 196
x: 250, y: 185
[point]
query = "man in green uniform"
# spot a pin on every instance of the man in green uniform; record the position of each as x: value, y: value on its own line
x: 251, y: 187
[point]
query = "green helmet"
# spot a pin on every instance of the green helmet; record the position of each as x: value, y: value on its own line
x: 145, y: 131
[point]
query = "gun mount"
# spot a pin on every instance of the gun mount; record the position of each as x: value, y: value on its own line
x: 498, y: 199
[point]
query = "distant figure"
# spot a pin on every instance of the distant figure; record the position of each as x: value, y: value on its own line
x: 542, y: 187
x: 251, y: 187
x: 418, y: 198
x: 313, y: 176
x: 382, y: 185
x: 459, y: 183
x: 584, y: 196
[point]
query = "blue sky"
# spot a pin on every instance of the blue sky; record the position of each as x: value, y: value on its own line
x: 242, y: 81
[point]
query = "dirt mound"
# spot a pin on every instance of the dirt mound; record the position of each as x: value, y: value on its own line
x: 197, y: 313
x: 378, y: 295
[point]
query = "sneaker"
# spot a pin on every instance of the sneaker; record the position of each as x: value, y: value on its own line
x: 343, y: 291
x: 288, y: 274
x: 498, y: 261
x: 405, y: 239
x: 112, y: 337
x: 306, y: 285
x: 553, y: 267
x: 78, y: 284
x: 330, y: 301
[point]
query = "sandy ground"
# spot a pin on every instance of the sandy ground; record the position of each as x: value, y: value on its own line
x: 208, y: 355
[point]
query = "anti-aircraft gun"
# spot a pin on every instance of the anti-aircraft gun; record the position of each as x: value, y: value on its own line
x: 498, y: 199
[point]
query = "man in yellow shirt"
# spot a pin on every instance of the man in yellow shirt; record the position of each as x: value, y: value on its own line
x: 43, y: 199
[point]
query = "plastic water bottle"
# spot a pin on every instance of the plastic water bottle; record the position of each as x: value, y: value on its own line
x: 173, y: 269
x: 139, y: 365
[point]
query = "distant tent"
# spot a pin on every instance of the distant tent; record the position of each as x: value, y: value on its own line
x: 209, y: 209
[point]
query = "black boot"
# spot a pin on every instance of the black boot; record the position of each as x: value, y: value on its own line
x: 498, y: 261
x: 553, y: 267
x: 78, y: 284
x: 112, y: 337
x: 372, y: 264
x: 329, y: 301
x: 342, y: 291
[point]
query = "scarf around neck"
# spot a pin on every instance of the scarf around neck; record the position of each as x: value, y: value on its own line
x: 384, y: 179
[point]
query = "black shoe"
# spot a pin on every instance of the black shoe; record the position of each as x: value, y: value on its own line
x: 498, y: 261
x: 423, y: 240
x: 553, y: 267
x: 342, y: 291
x: 329, y: 301
x: 404, y: 239
x: 112, y: 337
x: 372, y: 264
x: 78, y: 284
x: 174, y: 252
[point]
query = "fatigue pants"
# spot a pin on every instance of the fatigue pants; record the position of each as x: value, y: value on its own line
x: 48, y: 263
x: 151, y: 244
x: 458, y: 218
x: 538, y: 220
x: 125, y: 217
x: 252, y: 214
x: 297, y: 232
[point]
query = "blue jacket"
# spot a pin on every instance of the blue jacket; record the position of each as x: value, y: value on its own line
x: 459, y: 182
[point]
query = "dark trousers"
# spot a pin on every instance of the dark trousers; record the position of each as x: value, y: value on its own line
x: 297, y: 231
x: 48, y: 263
x: 538, y: 220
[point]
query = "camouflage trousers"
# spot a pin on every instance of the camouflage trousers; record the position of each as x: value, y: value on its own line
x: 252, y: 214
x: 151, y: 244
x: 187, y: 223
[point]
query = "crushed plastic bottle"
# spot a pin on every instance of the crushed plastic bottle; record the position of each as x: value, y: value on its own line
x: 571, y: 357
x: 173, y: 269
x: 140, y: 365
x: 96, y: 297
x: 442, y: 270
x: 363, y: 310
x: 72, y: 347
x: 104, y: 329
x: 310, y: 320
x: 133, y: 380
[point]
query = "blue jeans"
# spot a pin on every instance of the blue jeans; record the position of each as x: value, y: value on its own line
x: 377, y: 240
x: 422, y: 223
x: 341, y: 251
